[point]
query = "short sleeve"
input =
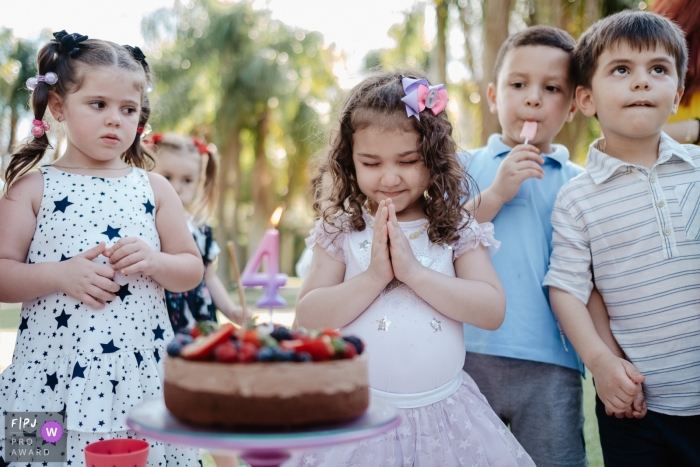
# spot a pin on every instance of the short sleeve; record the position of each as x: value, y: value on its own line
x: 473, y: 235
x: 570, y: 261
x: 329, y: 237
x: 208, y: 248
x: 214, y: 250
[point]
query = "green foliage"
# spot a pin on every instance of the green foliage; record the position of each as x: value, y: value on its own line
x: 411, y: 48
x: 613, y: 6
x: 17, y: 64
x: 259, y: 89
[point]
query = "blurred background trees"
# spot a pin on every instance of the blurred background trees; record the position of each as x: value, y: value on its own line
x: 264, y: 93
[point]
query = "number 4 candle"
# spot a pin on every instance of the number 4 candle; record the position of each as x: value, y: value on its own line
x: 271, y: 280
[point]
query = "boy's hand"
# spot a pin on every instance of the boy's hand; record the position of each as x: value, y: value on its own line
x: 403, y: 261
x: 89, y: 282
x: 380, y: 267
x: 523, y: 162
x: 617, y: 383
x: 638, y: 409
x: 130, y: 255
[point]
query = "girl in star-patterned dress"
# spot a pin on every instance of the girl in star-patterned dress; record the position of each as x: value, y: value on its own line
x: 87, y: 244
x: 396, y: 247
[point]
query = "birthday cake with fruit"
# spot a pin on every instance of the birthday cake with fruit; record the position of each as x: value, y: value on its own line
x: 220, y: 376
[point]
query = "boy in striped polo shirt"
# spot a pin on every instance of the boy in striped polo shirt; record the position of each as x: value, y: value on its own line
x: 631, y: 222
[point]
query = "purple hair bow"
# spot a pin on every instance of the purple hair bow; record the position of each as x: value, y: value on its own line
x: 421, y: 95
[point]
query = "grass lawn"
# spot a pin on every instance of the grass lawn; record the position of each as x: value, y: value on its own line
x: 9, y: 321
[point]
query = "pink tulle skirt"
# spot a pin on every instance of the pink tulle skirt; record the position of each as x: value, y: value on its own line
x: 460, y: 430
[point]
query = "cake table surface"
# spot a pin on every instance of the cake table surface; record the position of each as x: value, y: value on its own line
x: 260, y: 447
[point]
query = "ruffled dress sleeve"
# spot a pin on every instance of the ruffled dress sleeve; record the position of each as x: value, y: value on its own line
x: 473, y: 235
x: 329, y: 237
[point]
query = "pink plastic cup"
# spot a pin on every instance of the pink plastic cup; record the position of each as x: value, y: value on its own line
x: 117, y: 453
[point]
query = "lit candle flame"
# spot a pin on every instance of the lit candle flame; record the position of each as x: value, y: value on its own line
x: 275, y: 218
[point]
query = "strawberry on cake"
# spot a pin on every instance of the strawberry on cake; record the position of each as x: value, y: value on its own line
x: 229, y: 378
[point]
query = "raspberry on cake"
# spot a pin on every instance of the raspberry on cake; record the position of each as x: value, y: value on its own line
x: 258, y: 378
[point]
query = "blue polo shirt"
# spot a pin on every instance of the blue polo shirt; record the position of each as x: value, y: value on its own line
x: 530, y: 331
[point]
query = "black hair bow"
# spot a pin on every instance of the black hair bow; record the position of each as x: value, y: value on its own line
x: 69, y: 42
x: 137, y: 54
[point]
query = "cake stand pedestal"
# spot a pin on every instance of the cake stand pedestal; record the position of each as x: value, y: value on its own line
x: 260, y: 448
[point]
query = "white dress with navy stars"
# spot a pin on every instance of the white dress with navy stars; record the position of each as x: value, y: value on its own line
x: 93, y: 364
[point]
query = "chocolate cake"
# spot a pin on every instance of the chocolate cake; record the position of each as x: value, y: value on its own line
x: 257, y: 379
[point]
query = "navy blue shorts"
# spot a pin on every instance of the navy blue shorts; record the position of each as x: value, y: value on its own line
x: 657, y: 440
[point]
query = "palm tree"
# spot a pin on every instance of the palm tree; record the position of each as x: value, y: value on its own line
x: 245, y: 81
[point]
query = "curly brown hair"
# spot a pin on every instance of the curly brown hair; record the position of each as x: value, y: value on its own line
x: 71, y: 70
x: 376, y: 101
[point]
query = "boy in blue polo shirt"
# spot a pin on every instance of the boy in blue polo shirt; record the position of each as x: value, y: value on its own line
x: 528, y: 371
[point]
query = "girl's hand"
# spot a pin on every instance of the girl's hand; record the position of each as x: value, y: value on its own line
x: 235, y: 314
x: 380, y: 266
x: 130, y: 255
x: 403, y: 260
x: 89, y: 282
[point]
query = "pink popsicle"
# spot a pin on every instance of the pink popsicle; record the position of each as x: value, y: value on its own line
x: 529, y: 131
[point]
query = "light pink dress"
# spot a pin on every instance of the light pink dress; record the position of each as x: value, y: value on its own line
x: 415, y: 363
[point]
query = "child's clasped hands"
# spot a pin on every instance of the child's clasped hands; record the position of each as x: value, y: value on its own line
x: 391, y: 252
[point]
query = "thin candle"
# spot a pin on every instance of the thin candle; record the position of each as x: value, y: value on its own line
x: 237, y: 278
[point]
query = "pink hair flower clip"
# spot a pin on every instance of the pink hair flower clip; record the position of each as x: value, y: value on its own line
x: 39, y: 127
x: 421, y: 95
x: 49, y: 78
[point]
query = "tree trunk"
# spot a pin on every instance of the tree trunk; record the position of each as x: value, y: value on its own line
x: 592, y: 12
x: 573, y: 133
x: 261, y: 188
x: 442, y: 10
x: 495, y: 32
x: 228, y: 202
x: 14, y: 119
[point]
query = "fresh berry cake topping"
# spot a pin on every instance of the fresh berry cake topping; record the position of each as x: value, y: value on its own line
x: 225, y: 344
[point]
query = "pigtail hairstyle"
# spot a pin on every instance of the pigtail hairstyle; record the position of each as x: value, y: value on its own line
x: 377, y: 101
x: 28, y: 155
x: 136, y: 155
x: 69, y: 56
x: 205, y: 199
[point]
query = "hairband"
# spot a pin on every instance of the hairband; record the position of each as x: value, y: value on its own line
x: 155, y: 139
x: 49, y: 78
x: 69, y: 42
x: 39, y: 127
x: 421, y: 95
x: 201, y: 147
x: 137, y: 54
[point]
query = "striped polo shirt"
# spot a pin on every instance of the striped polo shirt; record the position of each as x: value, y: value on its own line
x: 637, y: 231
